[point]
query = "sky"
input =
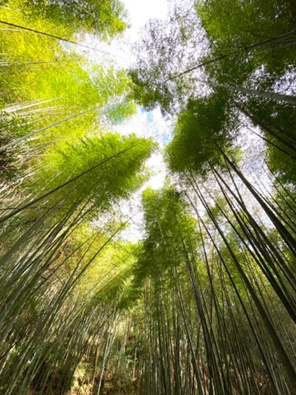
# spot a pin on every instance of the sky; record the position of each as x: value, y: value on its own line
x: 145, y: 124
x: 139, y: 12
x: 142, y: 10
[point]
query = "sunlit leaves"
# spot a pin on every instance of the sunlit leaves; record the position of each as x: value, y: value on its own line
x: 104, y: 17
x: 112, y: 180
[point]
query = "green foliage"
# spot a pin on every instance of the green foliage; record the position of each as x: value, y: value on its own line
x: 120, y: 112
x: 40, y: 68
x: 161, y: 55
x: 234, y: 25
x: 11, y: 127
x: 276, y: 121
x: 105, y: 17
x: 167, y: 227
x: 203, y: 303
x: 255, y: 18
x: 119, y: 174
x: 146, y: 94
x: 51, y: 92
x: 201, y: 130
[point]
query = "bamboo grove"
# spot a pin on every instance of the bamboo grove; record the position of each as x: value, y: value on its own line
x: 204, y: 302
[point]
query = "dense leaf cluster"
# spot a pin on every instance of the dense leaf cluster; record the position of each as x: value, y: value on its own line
x: 204, y: 303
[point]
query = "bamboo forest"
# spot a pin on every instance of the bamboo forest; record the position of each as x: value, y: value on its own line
x: 200, y: 300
